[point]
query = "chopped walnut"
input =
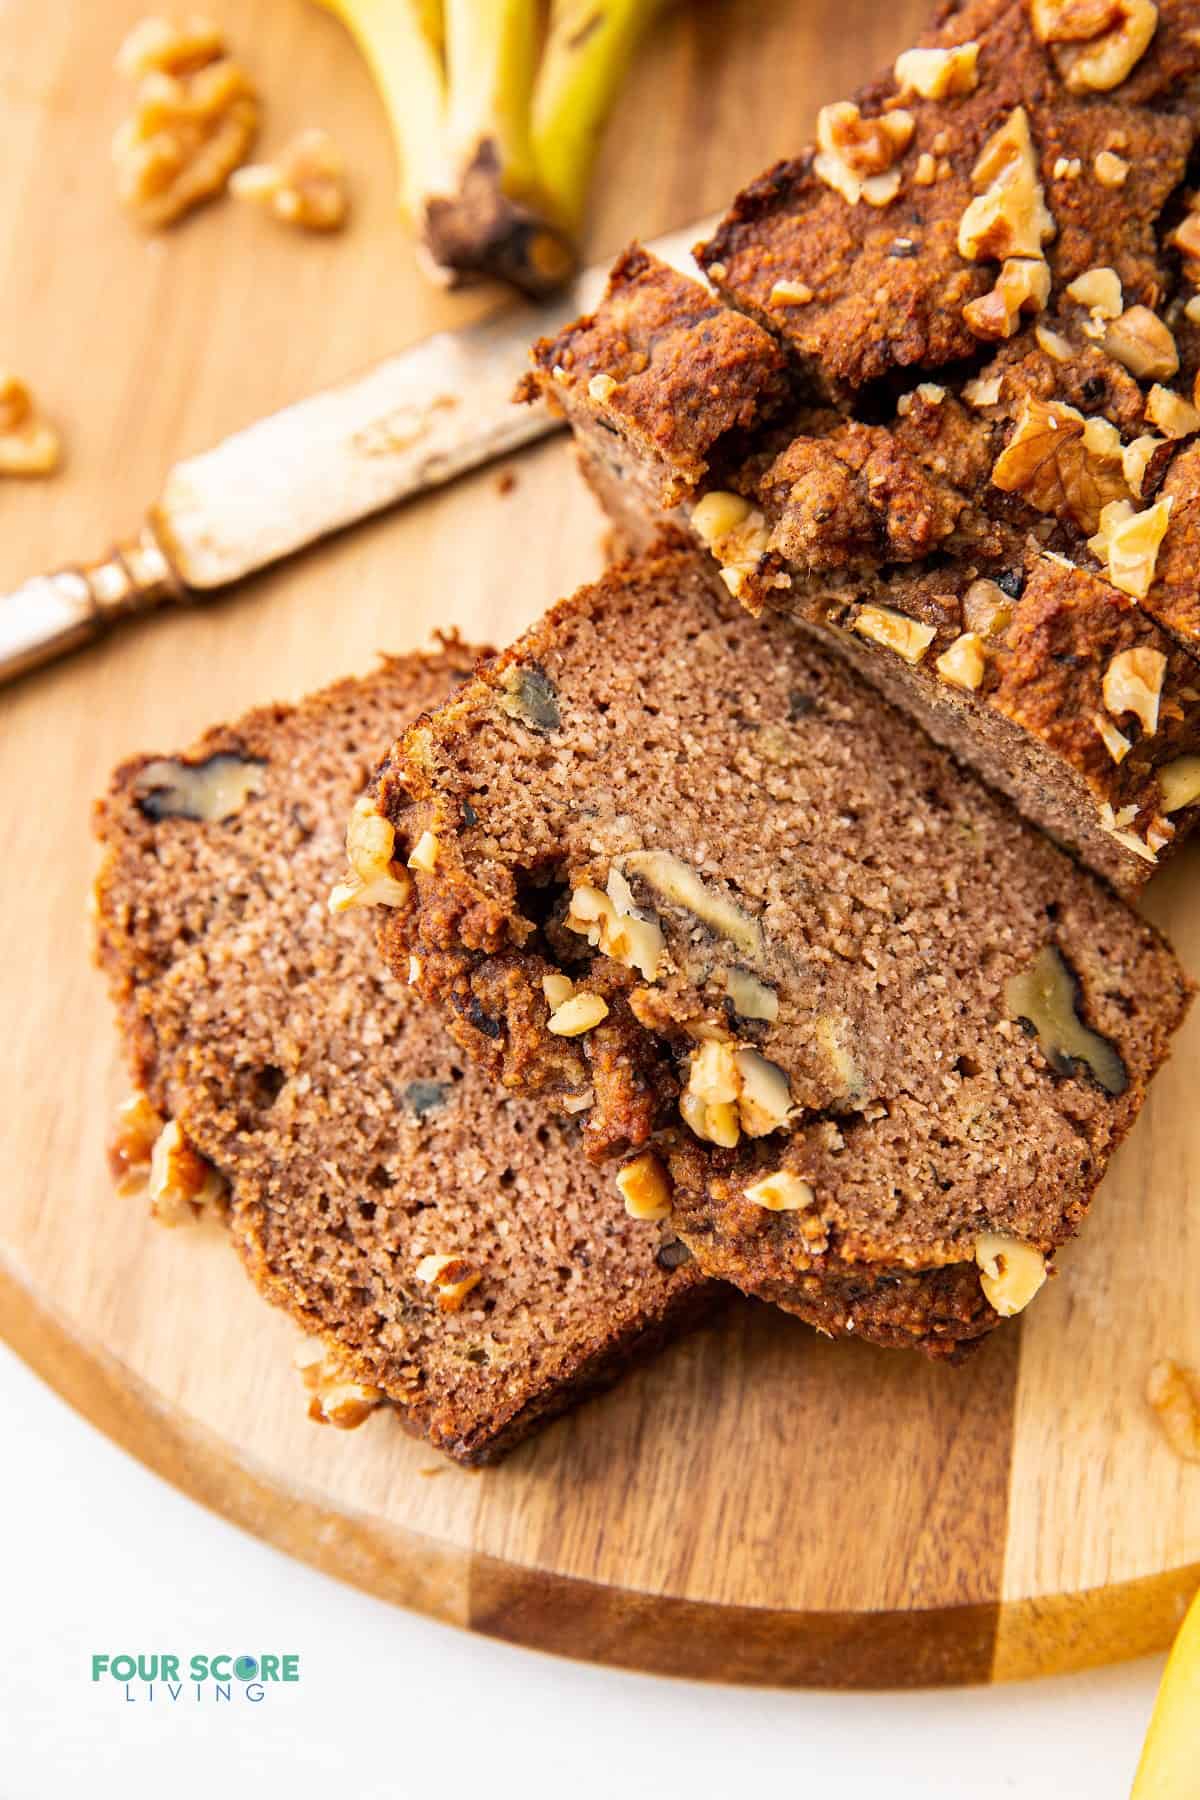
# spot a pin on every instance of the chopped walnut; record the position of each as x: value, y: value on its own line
x: 580, y: 1012
x: 1048, y: 995
x: 676, y: 882
x: 1173, y: 1392
x: 1022, y: 286
x: 1097, y: 43
x: 183, y: 1185
x: 782, y: 1192
x: 1179, y: 782
x: 1174, y: 416
x: 451, y: 1277
x: 337, y: 1398
x: 1061, y: 466
x: 1067, y: 168
x: 986, y: 608
x: 557, y: 988
x: 790, y: 293
x: 1117, y: 826
x: 734, y: 531
x: 375, y: 879
x: 645, y: 1187
x: 730, y: 1089
x: 925, y: 172
x: 1128, y: 541
x: 983, y: 390
x: 304, y: 186
x: 194, y: 119
x: 964, y: 663
x: 1133, y: 682
x: 909, y: 638
x: 208, y: 792
x: 1009, y: 216
x: 136, y: 1129
x: 1135, y: 460
x: 1011, y: 1272
x: 1141, y: 343
x: 1100, y: 291
x: 1053, y: 343
x: 601, y: 388
x: 29, y: 445
x: 425, y: 853
x: 611, y: 923
x: 1114, y: 741
x: 750, y: 997
x: 855, y: 155
x: 937, y: 74
x: 1111, y: 170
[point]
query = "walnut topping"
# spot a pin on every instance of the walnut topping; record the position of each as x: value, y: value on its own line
x: 1096, y: 42
x: 29, y: 444
x: 1133, y: 682
x: 790, y: 293
x: 1179, y: 782
x: 782, y: 1192
x: 1186, y: 239
x: 730, y: 1089
x: 937, y: 74
x: 931, y: 392
x: 1011, y: 1272
x: 983, y: 390
x: 578, y: 1013
x: 451, y: 1277
x: 207, y: 791
x: 1173, y: 1393
x: 601, y: 388
x: 1174, y: 416
x: 1053, y: 343
x: 611, y: 923
x: 855, y: 155
x: 1114, y: 741
x: 1047, y: 994
x: 1100, y: 291
x: 1067, y: 168
x: 337, y: 1398
x: 678, y: 884
x: 645, y: 1187
x: 1141, y: 343
x: 909, y: 638
x: 986, y: 608
x: 557, y: 988
x: 1009, y: 216
x: 1117, y: 826
x: 194, y: 119
x: 1128, y: 542
x: 425, y: 853
x: 183, y: 1185
x: 964, y: 663
x: 1061, y: 466
x: 374, y: 880
x: 1022, y: 286
x: 750, y: 997
x: 136, y: 1129
x: 735, y: 532
x: 1135, y: 460
x: 304, y: 186
x: 925, y: 173
x: 1110, y: 170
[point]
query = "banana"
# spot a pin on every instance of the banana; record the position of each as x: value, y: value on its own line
x: 1170, y: 1765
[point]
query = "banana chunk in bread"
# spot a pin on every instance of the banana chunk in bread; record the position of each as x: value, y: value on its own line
x: 673, y: 870
x: 447, y: 1246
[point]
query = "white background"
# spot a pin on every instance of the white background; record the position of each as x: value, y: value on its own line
x: 100, y: 1555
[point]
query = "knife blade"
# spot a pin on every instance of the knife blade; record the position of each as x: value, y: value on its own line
x: 411, y: 423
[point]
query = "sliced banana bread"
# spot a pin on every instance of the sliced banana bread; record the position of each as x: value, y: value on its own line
x: 674, y: 870
x: 449, y: 1246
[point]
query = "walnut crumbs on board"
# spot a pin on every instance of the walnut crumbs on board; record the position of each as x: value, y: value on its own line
x: 883, y: 1035
x: 447, y: 1248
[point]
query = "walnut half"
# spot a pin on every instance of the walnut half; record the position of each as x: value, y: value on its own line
x: 29, y: 444
x: 1062, y: 463
x: 304, y: 186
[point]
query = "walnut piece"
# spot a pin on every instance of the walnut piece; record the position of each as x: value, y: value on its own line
x: 1117, y: 823
x: 964, y: 663
x: 29, y: 444
x: 1022, y: 287
x: 1136, y: 458
x: 937, y: 74
x: 1174, y: 416
x: 750, y: 997
x: 1009, y: 216
x: 909, y: 638
x: 1133, y: 682
x: 1173, y: 1393
x: 374, y: 878
x: 1141, y: 343
x: 1128, y: 541
x: 1047, y: 994
x: 1097, y: 43
x: 183, y: 1185
x: 1111, y: 170
x: 1100, y: 291
x: 527, y: 693
x: 1114, y: 741
x: 1179, y: 782
x: 1011, y: 1272
x: 337, y: 1398
x: 735, y: 532
x: 1062, y: 463
x: 790, y: 293
x: 645, y: 1187
x: 855, y: 156
x: 194, y: 119
x: 678, y: 884
x: 136, y: 1129
x: 782, y: 1192
x: 601, y: 388
x: 729, y: 1089
x: 451, y: 1277
x: 207, y: 792
x: 579, y: 1012
x: 425, y: 853
x: 986, y: 608
x: 304, y: 186
x: 611, y: 923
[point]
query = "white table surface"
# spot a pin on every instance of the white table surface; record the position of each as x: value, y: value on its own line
x: 102, y: 1556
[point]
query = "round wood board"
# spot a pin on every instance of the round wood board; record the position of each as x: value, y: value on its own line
x: 756, y: 1505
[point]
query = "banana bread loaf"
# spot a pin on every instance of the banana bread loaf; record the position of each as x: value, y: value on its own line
x: 449, y: 1246
x: 675, y: 871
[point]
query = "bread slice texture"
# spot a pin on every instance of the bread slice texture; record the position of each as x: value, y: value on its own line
x: 676, y: 871
x: 356, y: 1141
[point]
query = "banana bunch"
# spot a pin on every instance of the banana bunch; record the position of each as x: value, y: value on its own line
x: 496, y: 115
x: 1170, y: 1765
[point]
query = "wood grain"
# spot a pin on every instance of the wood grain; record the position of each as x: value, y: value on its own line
x: 757, y: 1505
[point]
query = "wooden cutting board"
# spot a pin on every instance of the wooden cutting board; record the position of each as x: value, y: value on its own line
x: 757, y: 1505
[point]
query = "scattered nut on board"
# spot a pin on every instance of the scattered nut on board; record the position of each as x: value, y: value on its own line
x: 29, y: 444
x: 194, y: 118
x: 304, y: 186
x: 1173, y: 1393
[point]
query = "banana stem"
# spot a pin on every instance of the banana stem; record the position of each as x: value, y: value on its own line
x: 589, y: 48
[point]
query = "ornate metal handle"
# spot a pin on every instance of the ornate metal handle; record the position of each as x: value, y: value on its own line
x: 52, y: 614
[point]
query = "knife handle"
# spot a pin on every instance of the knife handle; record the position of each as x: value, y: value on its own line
x: 51, y: 614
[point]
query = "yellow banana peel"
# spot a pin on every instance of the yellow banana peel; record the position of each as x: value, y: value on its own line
x: 1170, y: 1765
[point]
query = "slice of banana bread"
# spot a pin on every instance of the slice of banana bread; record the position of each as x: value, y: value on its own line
x: 449, y: 1246
x: 675, y: 870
